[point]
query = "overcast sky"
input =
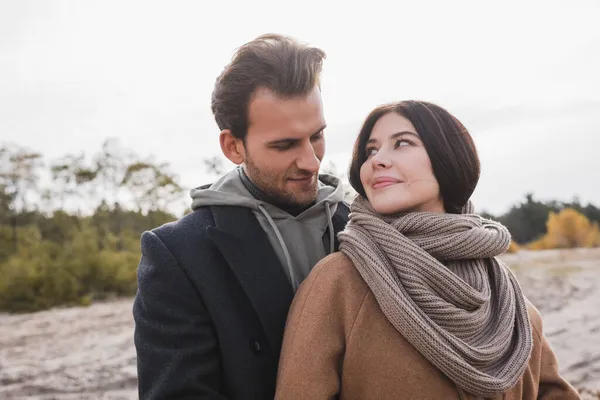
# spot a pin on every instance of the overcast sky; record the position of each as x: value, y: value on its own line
x: 521, y: 75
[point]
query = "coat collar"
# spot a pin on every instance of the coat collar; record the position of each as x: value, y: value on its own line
x: 246, y: 248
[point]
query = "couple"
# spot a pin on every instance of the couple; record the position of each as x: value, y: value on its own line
x: 274, y: 287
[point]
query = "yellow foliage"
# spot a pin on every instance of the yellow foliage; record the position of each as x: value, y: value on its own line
x: 514, y: 247
x: 593, y: 236
x: 568, y: 229
x: 542, y: 243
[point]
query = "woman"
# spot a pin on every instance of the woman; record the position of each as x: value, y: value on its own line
x: 416, y: 306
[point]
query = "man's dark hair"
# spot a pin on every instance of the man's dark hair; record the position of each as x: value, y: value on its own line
x: 272, y: 61
x: 449, y: 145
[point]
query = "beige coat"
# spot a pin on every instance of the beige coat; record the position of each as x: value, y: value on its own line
x: 338, y: 342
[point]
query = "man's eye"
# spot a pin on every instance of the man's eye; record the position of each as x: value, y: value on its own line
x: 317, y: 136
x: 283, y: 147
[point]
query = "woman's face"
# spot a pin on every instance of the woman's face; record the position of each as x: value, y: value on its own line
x: 397, y: 175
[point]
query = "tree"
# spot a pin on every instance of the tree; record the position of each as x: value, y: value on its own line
x: 527, y: 220
x: 513, y: 247
x: 153, y: 186
x: 5, y: 199
x: 95, y: 181
x: 568, y: 229
x: 111, y: 166
x: 593, y: 236
x: 18, y: 177
x: 215, y: 165
x: 68, y: 173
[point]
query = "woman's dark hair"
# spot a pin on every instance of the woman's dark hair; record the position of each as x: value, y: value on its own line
x: 448, y: 143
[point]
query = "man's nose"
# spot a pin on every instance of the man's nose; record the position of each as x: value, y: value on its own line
x: 308, y: 160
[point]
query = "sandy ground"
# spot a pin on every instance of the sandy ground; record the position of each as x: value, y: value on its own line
x: 565, y: 287
x: 75, y: 353
x: 88, y: 353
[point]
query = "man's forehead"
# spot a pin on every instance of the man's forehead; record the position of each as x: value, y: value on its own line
x: 272, y: 115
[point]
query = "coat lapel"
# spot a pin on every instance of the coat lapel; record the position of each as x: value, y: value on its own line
x: 246, y: 248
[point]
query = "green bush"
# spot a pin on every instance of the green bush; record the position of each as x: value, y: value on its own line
x: 44, y: 274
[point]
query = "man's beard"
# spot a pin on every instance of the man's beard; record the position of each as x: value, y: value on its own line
x: 267, y: 183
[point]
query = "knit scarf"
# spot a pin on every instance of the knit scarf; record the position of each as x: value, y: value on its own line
x: 436, y: 279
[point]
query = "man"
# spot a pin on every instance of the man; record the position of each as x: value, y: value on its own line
x: 215, y: 286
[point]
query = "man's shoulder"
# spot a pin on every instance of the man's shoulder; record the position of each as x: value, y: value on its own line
x: 193, y: 226
x: 188, y: 237
x: 195, y: 222
x: 344, y: 207
x: 340, y: 218
x: 342, y: 211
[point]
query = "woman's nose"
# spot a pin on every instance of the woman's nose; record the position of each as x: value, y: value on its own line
x: 380, y: 160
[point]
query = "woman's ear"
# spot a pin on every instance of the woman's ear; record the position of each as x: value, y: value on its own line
x: 232, y: 147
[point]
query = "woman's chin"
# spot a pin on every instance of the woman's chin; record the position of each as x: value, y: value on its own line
x: 385, y: 208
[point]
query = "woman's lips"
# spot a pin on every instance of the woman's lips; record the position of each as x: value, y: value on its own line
x: 384, y: 181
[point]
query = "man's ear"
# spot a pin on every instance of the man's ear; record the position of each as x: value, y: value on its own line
x: 232, y: 147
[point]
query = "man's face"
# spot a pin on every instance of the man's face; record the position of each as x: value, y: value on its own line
x: 284, y: 145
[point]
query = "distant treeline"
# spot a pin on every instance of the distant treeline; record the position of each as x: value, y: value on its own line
x: 70, y: 227
x: 528, y: 220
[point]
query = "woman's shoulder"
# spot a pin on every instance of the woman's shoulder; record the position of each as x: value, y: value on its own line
x: 332, y: 294
x: 535, y: 318
x: 334, y: 274
x: 337, y: 267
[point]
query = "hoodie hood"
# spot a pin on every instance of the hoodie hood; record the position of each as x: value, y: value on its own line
x: 297, y: 240
x: 229, y: 190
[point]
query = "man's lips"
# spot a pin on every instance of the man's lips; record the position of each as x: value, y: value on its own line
x: 302, y: 179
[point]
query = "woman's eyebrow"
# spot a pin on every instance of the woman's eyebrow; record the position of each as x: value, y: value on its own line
x: 394, y: 136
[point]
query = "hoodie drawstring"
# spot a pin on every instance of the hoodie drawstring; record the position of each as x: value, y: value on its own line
x: 286, y: 253
x: 282, y: 243
x: 330, y: 227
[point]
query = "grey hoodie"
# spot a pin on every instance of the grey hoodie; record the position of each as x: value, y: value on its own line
x: 297, y: 241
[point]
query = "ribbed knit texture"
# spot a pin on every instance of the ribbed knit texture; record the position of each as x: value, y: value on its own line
x: 436, y: 279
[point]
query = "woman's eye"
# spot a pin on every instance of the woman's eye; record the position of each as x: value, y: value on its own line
x: 371, y: 152
x: 402, y: 143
